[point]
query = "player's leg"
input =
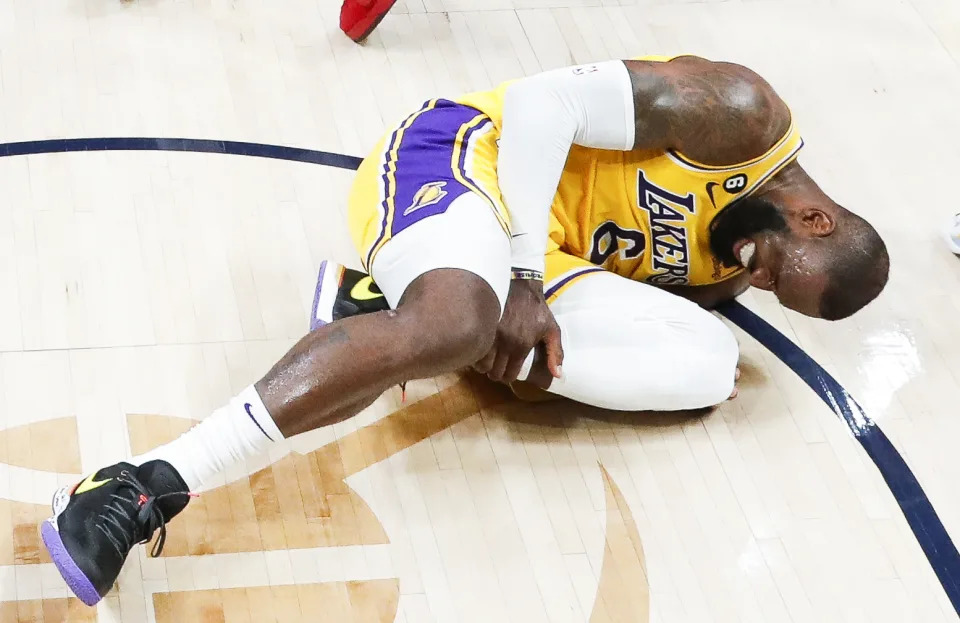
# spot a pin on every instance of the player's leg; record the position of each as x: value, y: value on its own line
x: 442, y: 259
x: 446, y: 295
x: 633, y: 347
x: 329, y: 375
x: 350, y: 292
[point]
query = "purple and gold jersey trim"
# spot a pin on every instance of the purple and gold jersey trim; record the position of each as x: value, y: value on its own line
x: 458, y: 163
x: 692, y: 164
x: 556, y: 289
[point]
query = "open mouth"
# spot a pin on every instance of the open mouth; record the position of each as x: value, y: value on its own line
x: 745, y: 250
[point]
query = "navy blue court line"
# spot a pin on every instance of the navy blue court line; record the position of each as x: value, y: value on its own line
x: 236, y: 148
x: 916, y: 507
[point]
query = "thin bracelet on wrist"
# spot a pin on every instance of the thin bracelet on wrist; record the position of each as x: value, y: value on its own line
x: 525, y: 274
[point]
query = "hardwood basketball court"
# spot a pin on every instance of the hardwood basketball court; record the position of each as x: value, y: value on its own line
x: 144, y: 288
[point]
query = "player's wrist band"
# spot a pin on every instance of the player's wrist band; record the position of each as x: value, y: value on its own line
x: 524, y: 274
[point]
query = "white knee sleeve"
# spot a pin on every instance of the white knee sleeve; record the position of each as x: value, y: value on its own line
x: 629, y: 346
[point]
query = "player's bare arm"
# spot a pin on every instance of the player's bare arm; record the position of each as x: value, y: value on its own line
x: 716, y: 113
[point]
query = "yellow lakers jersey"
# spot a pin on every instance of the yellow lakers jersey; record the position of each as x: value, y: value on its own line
x: 646, y: 214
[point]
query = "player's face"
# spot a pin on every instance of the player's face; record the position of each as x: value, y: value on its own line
x: 787, y: 265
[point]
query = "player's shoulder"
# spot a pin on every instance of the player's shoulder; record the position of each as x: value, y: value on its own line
x: 731, y: 85
x: 720, y: 112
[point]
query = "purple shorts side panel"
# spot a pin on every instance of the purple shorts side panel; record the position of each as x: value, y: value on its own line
x: 425, y: 182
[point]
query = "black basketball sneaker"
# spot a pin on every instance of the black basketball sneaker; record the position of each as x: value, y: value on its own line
x: 97, y: 522
x: 343, y: 292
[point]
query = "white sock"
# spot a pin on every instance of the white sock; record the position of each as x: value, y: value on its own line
x: 241, y: 429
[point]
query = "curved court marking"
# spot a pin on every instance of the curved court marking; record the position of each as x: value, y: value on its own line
x: 916, y: 507
x: 235, y: 148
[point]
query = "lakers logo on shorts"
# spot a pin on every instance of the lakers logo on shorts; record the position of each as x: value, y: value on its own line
x: 429, y: 194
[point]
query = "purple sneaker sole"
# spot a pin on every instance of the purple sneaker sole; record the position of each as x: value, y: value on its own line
x: 71, y: 573
x: 323, y: 300
x: 316, y: 323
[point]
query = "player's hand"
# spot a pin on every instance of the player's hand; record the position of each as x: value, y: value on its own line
x: 527, y: 321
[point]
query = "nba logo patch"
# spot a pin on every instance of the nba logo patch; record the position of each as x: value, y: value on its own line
x: 429, y: 194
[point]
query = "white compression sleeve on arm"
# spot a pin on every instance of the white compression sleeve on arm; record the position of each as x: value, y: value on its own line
x: 588, y: 105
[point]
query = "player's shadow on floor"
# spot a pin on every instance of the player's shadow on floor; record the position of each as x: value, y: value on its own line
x: 536, y: 408
x: 561, y: 413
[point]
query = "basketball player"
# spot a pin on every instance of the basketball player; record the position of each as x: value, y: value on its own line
x: 593, y: 202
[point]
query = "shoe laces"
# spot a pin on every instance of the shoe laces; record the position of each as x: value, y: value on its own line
x: 128, y: 521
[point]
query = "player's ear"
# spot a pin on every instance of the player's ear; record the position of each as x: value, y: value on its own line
x: 817, y: 222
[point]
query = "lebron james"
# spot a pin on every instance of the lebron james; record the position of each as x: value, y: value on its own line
x: 567, y: 229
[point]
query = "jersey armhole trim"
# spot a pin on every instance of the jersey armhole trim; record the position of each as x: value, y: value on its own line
x: 689, y: 163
